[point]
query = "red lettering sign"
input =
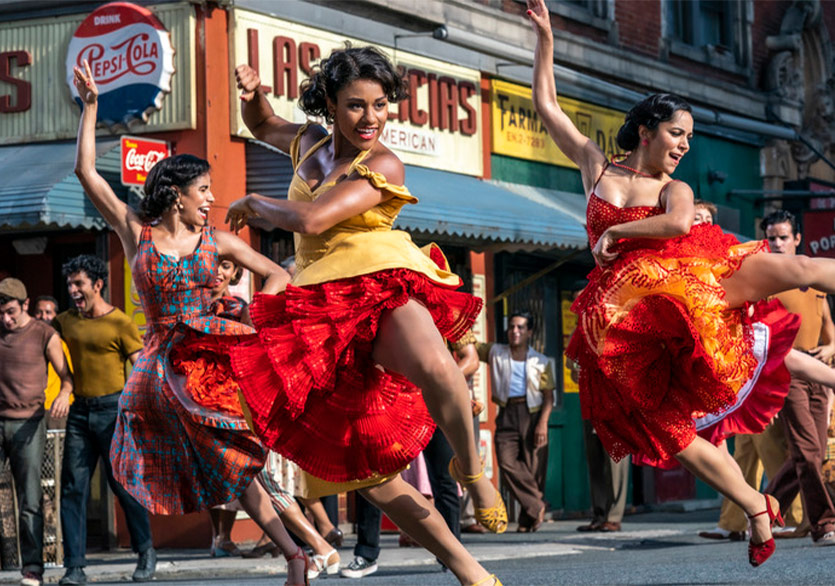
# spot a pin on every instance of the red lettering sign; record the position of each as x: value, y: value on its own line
x: 448, y: 97
x: 23, y: 100
x: 819, y: 233
x: 139, y: 155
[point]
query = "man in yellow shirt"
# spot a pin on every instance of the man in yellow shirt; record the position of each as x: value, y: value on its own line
x: 101, y: 339
x: 46, y: 308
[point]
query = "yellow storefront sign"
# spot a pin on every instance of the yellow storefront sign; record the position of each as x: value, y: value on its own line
x: 569, y: 323
x: 438, y: 127
x: 519, y: 132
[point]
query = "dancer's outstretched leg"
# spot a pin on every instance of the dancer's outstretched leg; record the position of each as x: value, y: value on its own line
x: 256, y: 502
x: 707, y: 462
x: 408, y: 342
x: 410, y: 510
x: 762, y: 275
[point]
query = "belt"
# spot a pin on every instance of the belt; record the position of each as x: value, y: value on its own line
x: 516, y: 400
x: 102, y: 400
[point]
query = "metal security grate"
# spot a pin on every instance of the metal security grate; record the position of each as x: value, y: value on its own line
x: 53, y: 548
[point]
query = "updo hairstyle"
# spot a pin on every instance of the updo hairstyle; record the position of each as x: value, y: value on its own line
x: 178, y: 171
x: 650, y: 112
x: 343, y: 67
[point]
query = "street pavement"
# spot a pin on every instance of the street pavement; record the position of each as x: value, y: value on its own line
x: 659, y: 547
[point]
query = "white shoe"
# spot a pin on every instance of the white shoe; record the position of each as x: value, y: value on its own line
x: 327, y: 563
x: 827, y: 538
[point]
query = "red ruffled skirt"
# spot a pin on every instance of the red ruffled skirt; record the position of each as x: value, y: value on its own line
x: 314, y: 392
x: 658, y: 347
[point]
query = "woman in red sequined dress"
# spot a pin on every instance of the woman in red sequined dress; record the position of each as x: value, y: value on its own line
x: 664, y: 334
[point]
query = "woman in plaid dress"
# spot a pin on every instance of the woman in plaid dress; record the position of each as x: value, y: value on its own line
x: 179, y: 452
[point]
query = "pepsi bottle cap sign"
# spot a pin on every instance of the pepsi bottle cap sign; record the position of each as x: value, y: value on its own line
x: 131, y: 58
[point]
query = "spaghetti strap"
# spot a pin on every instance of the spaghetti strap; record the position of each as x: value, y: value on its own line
x: 599, y: 177
x: 296, y: 143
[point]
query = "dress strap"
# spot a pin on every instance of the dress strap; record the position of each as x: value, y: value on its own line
x: 312, y: 150
x: 295, y: 145
x: 145, y: 234
x: 599, y: 177
x: 379, y: 181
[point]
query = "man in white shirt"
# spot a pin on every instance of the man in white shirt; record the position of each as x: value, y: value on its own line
x: 523, y: 386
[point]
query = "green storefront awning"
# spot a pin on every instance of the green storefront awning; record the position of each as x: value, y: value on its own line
x: 38, y: 187
x: 491, y: 212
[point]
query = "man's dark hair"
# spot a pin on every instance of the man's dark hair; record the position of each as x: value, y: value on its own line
x: 780, y: 217
x: 526, y: 315
x: 95, y: 268
x: 4, y: 299
x: 49, y: 298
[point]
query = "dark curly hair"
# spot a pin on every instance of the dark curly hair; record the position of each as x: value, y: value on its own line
x: 649, y: 112
x: 93, y: 266
x: 177, y: 171
x: 341, y: 68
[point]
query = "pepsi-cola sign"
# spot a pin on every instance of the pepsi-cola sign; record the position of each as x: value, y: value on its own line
x: 131, y: 57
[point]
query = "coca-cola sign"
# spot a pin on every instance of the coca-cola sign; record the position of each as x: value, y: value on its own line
x: 139, y: 155
x: 131, y: 57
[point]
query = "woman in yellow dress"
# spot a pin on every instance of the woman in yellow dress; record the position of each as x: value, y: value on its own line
x: 350, y: 367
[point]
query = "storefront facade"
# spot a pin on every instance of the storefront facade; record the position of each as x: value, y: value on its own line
x: 494, y: 191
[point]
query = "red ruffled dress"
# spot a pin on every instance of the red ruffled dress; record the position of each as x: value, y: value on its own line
x: 315, y: 394
x: 659, y: 348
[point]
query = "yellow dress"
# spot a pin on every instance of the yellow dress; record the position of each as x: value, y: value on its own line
x: 313, y: 390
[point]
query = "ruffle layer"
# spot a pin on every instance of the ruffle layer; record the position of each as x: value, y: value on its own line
x: 314, y: 392
x: 657, y: 344
x: 763, y: 396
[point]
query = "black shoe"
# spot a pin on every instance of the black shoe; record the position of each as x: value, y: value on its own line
x: 359, y: 568
x: 146, y: 566
x: 73, y: 577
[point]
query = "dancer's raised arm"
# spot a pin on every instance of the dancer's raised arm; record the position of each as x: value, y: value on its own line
x: 583, y: 151
x: 259, y: 116
x: 116, y: 213
x: 351, y: 196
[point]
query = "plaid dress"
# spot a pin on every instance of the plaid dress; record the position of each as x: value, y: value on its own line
x: 174, y: 451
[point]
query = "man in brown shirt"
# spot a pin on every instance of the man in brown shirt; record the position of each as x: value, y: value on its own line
x: 26, y: 346
x: 806, y: 411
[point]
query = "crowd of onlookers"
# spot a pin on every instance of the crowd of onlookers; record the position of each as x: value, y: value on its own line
x: 66, y: 370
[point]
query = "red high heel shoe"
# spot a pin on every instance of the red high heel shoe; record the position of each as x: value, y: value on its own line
x: 759, y: 552
x: 299, y: 555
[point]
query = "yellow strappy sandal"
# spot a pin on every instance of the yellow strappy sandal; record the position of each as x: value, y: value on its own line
x: 494, y: 518
x: 483, y: 581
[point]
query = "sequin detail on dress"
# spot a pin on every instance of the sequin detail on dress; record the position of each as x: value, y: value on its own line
x: 656, y: 342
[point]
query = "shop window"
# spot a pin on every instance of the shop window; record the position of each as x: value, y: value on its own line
x: 717, y: 32
x: 597, y: 8
x: 596, y: 13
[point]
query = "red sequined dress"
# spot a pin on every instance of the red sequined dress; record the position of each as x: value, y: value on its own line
x: 315, y: 394
x: 659, y: 349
